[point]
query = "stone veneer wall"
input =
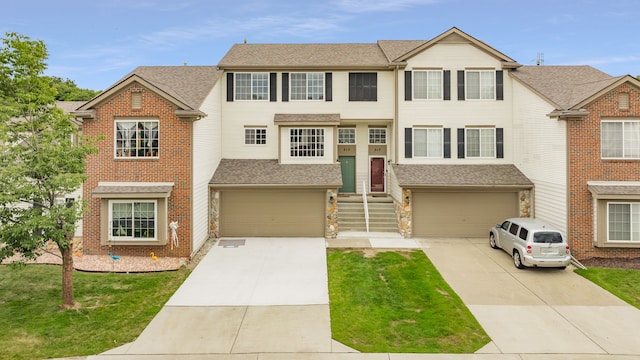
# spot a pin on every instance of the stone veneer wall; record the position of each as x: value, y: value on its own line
x: 331, y: 230
x: 214, y: 214
x: 525, y: 203
x: 404, y: 214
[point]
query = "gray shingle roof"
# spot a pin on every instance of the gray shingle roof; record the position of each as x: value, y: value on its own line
x: 460, y: 175
x: 69, y: 106
x: 614, y: 188
x: 247, y: 172
x: 189, y: 84
x: 565, y: 86
x: 306, y: 118
x: 394, y: 49
x: 326, y: 56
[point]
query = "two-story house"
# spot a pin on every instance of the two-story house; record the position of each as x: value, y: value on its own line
x: 160, y: 142
x: 457, y: 134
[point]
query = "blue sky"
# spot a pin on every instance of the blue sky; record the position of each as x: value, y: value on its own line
x: 95, y: 43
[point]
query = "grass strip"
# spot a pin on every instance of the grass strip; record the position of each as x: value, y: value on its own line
x: 622, y: 283
x: 390, y: 301
x: 115, y: 310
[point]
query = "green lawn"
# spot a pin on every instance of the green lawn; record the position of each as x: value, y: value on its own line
x: 115, y: 310
x: 397, y: 302
x: 624, y: 284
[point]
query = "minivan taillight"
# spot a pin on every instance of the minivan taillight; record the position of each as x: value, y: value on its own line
x: 528, y: 249
x: 567, y: 250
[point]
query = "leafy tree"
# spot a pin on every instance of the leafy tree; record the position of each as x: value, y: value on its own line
x: 41, y: 159
x: 67, y: 90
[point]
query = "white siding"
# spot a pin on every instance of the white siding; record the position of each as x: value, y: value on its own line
x: 239, y: 114
x: 455, y: 113
x: 540, y: 152
x: 206, y: 156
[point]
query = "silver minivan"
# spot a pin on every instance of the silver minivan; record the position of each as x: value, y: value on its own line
x: 531, y: 243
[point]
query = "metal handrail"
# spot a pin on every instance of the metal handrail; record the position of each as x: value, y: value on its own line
x: 366, y: 205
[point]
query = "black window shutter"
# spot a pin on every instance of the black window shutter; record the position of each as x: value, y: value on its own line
x: 353, y: 86
x: 447, y: 84
x: 327, y: 84
x: 447, y: 142
x: 273, y: 96
x: 499, y: 143
x: 229, y: 86
x: 408, y: 143
x: 499, y: 85
x: 407, y: 85
x: 460, y: 84
x: 460, y: 143
x: 285, y: 86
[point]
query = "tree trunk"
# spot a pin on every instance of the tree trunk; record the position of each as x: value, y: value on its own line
x: 68, y: 301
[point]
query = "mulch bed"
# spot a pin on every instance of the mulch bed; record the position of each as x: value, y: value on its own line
x: 618, y: 263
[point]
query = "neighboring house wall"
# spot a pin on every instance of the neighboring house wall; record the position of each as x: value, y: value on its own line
x: 454, y: 114
x: 586, y: 164
x: 206, y: 156
x: 172, y: 166
x: 540, y: 152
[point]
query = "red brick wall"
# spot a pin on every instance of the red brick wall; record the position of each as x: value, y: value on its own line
x: 173, y: 165
x: 585, y: 164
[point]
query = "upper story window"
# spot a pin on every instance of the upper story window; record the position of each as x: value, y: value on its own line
x: 481, y: 84
x: 135, y: 139
x: 480, y: 142
x: 255, y: 136
x: 132, y: 219
x: 307, y: 86
x: 377, y: 136
x: 427, y: 84
x: 623, y: 221
x: 428, y: 142
x: 363, y: 86
x: 306, y: 142
x: 252, y: 86
x: 346, y: 136
x: 620, y: 139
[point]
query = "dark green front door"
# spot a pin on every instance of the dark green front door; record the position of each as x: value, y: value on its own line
x: 348, y: 165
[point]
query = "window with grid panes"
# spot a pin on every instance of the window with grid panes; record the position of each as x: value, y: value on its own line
x: 377, y: 136
x: 255, y: 136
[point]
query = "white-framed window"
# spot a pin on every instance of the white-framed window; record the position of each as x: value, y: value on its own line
x: 480, y: 84
x: 346, y: 136
x: 620, y: 139
x: 255, y: 136
x: 428, y: 142
x: 136, y: 138
x: 377, y: 136
x: 480, y: 142
x: 252, y: 86
x: 427, y: 84
x: 623, y: 221
x: 307, y: 86
x: 133, y: 220
x: 306, y: 142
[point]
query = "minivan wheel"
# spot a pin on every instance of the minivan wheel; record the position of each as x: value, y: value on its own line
x: 492, y: 241
x: 517, y: 260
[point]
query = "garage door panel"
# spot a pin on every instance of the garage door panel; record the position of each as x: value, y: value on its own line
x: 271, y: 213
x: 461, y: 214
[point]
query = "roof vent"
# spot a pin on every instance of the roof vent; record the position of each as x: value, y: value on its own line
x: 136, y: 100
x: 623, y: 101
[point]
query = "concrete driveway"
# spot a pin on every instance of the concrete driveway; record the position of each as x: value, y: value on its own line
x: 534, y: 311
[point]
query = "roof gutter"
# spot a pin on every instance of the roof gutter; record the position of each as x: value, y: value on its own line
x: 579, y: 114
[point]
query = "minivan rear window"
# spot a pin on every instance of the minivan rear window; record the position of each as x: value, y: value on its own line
x: 545, y: 237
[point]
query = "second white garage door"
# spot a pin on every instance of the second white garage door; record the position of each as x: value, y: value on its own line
x: 460, y: 214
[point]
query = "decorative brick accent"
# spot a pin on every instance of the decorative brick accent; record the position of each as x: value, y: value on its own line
x: 586, y: 164
x: 172, y: 165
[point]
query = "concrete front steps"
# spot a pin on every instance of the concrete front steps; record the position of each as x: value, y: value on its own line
x: 382, y: 215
